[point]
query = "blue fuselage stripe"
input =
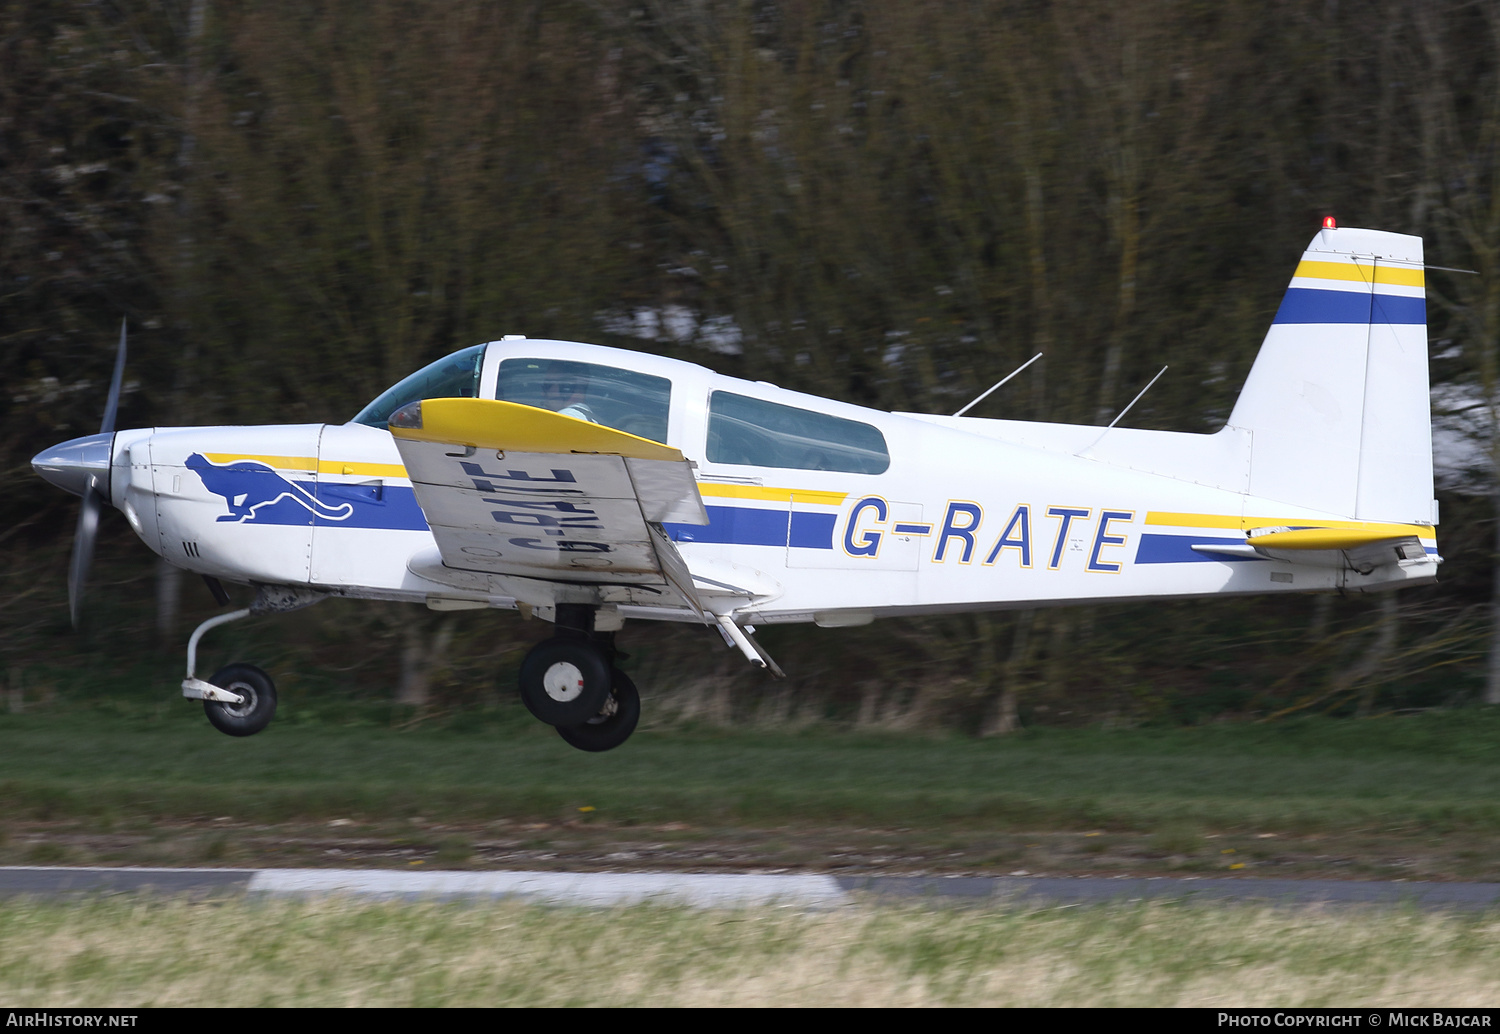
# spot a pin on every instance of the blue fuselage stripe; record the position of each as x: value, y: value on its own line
x: 1178, y: 549
x: 748, y: 526
x: 1310, y: 305
x: 392, y: 507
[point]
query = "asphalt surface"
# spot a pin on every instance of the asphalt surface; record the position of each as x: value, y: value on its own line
x: 729, y: 889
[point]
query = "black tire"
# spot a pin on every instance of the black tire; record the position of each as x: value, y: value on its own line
x: 614, y: 723
x: 258, y: 708
x: 565, y: 681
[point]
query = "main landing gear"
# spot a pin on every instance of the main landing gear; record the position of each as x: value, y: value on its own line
x: 570, y: 682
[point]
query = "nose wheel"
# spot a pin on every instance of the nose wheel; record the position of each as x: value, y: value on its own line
x: 256, y: 706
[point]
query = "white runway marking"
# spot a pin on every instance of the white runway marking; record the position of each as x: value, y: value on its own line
x: 700, y: 890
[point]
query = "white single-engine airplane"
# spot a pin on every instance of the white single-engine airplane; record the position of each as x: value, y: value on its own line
x: 587, y: 485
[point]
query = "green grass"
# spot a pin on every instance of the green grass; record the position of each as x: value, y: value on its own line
x: 1437, y: 772
x: 129, y: 952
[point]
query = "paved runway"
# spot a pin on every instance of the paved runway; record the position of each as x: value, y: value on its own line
x: 729, y: 889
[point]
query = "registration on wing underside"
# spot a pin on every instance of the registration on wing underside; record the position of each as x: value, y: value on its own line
x: 562, y: 515
x: 573, y: 518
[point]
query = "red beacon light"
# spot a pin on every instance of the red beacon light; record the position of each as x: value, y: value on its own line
x: 1329, y: 223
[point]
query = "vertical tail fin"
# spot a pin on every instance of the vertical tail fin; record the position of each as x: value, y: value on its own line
x: 1337, y: 401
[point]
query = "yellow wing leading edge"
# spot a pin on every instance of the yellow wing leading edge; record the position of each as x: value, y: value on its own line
x: 513, y: 427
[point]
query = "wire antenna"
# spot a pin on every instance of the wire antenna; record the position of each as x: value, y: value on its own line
x: 998, y: 384
x: 1120, y: 415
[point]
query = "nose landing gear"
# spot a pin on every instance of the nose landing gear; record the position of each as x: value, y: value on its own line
x: 240, y: 700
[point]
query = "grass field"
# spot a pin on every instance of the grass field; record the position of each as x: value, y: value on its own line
x: 1415, y: 797
x: 136, y: 952
x: 1411, y: 797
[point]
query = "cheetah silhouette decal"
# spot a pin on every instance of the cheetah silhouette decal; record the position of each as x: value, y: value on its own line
x: 249, y: 486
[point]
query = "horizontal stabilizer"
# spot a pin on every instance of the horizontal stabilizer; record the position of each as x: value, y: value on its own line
x: 1344, y: 544
x: 1323, y: 538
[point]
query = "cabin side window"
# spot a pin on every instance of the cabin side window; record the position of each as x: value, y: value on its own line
x: 766, y: 434
x: 636, y: 403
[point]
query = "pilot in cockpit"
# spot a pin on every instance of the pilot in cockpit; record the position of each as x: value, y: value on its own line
x: 565, y: 391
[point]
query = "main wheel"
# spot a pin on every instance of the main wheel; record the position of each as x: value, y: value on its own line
x: 613, y: 724
x: 565, y: 681
x: 254, y: 712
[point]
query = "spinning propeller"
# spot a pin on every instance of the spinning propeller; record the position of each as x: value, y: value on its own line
x: 82, y: 466
x: 94, y: 495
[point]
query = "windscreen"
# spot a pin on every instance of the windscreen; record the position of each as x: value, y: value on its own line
x: 454, y: 376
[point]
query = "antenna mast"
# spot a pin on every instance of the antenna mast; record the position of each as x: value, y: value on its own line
x: 997, y: 384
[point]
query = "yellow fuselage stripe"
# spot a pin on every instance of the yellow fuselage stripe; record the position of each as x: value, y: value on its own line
x: 1215, y: 520
x: 367, y: 470
x: 1397, y: 276
x: 309, y: 464
x: 778, y: 495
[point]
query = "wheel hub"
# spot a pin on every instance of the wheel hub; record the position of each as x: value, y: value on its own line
x: 611, y: 705
x: 563, y: 682
x: 247, y: 700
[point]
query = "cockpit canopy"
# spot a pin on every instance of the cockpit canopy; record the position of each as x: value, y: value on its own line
x: 742, y: 430
x: 623, y: 399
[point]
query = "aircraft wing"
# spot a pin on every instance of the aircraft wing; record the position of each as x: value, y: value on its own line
x: 517, y: 491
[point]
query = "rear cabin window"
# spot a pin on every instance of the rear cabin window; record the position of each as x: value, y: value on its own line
x: 765, y: 434
x: 623, y: 399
